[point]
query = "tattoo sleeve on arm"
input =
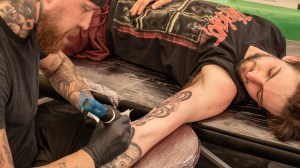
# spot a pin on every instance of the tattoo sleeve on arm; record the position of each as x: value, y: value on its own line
x: 126, y: 159
x: 167, y: 107
x: 66, y: 80
x: 20, y: 15
x: 6, y: 159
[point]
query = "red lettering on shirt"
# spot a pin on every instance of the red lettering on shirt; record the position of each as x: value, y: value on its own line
x: 219, y: 25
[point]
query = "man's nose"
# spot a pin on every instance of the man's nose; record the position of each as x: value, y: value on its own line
x: 85, y: 23
x: 255, y: 77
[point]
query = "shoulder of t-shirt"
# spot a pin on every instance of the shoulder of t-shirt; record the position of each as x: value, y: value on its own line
x: 277, y: 36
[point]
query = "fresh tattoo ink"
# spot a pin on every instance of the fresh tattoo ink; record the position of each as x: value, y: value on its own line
x: 165, y: 108
x: 126, y: 159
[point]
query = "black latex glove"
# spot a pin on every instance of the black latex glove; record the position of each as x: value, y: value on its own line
x: 111, y: 113
x: 91, y: 123
x: 109, y: 140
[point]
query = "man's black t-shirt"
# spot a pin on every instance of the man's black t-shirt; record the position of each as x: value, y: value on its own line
x: 183, y: 36
x: 18, y: 93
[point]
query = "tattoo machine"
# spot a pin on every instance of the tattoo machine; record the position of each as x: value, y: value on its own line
x: 96, y: 110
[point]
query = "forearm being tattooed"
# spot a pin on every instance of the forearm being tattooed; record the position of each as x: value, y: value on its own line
x: 65, y: 79
x: 167, y: 107
x: 138, y: 146
x: 126, y: 159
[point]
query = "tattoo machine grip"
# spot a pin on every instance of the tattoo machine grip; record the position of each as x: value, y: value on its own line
x: 96, y: 110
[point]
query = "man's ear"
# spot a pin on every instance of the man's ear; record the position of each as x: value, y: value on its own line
x: 291, y: 59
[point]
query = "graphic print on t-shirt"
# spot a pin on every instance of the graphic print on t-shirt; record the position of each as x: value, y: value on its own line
x: 185, y: 22
x: 224, y: 19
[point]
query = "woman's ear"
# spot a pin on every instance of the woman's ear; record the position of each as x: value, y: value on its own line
x: 291, y: 59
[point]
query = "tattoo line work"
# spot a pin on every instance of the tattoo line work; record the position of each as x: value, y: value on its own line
x: 66, y: 79
x: 62, y: 165
x: 165, y: 108
x: 126, y: 159
x: 19, y: 15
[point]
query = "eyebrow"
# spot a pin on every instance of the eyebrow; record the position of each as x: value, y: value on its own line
x: 262, y: 89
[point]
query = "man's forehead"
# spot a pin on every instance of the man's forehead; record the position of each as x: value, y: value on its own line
x: 99, y: 2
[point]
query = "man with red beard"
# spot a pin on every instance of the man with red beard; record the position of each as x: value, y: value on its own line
x: 20, y: 46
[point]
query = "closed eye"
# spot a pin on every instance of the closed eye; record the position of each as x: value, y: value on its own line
x: 260, y: 96
x: 90, y: 7
x: 260, y: 93
x: 84, y: 10
x: 270, y: 73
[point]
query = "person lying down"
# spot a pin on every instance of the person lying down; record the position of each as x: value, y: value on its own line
x: 218, y: 56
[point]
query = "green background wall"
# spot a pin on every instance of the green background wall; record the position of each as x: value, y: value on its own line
x: 288, y: 20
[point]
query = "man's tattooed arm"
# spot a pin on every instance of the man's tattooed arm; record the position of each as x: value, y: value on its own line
x: 5, y: 154
x: 75, y: 160
x: 64, y: 77
x: 19, y: 15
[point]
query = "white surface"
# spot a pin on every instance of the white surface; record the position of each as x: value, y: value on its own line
x: 293, y: 4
